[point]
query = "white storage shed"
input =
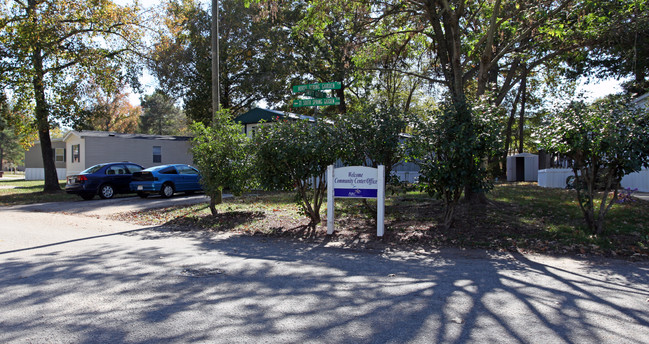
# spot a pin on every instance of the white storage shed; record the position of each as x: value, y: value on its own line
x: 523, y: 167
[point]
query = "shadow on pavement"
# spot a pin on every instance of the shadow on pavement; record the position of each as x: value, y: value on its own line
x: 253, y: 289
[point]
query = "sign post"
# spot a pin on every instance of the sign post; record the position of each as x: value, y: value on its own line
x: 356, y: 182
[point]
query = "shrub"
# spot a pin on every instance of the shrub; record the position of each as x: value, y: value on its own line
x: 294, y: 155
x: 222, y: 154
x: 605, y: 140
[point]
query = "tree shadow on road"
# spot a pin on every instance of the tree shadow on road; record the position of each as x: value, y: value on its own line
x: 258, y: 289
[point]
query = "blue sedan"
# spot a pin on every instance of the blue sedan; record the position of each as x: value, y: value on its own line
x: 103, y: 179
x: 166, y: 180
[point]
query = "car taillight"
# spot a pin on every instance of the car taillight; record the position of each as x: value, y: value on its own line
x: 82, y: 178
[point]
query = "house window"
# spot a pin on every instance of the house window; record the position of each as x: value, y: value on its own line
x: 59, y: 154
x: 76, y: 153
x: 157, y: 154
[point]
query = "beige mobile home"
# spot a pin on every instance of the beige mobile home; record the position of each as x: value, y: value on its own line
x: 34, y: 160
x: 82, y: 149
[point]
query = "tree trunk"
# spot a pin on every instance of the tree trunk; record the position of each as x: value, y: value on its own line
x: 213, y: 205
x: 343, y: 103
x: 215, y: 198
x: 488, y: 52
x: 215, y: 59
x: 508, y: 131
x: 449, y: 215
x: 43, y: 125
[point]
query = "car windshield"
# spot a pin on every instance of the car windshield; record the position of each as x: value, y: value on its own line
x: 92, y: 169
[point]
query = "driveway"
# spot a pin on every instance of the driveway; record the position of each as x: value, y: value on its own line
x: 78, y: 279
x: 104, y: 207
x: 641, y: 195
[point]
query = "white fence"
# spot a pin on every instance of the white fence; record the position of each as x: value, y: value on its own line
x: 39, y: 173
x: 637, y: 180
x: 556, y: 178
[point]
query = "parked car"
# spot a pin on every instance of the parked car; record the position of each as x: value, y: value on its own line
x: 104, y: 179
x: 166, y: 180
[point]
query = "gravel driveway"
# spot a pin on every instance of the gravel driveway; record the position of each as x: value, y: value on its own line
x: 79, y: 279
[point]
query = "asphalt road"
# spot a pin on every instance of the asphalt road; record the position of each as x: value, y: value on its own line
x: 103, y: 207
x: 66, y: 278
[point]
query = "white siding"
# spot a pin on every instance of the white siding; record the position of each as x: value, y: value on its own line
x: 39, y: 173
x: 140, y: 151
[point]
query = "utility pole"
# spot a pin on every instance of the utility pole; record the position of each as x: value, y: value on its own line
x: 216, y: 95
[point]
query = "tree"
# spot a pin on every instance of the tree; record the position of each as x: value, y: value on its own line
x: 222, y: 154
x: 326, y: 39
x: 251, y: 67
x: 294, y: 155
x: 605, y: 140
x: 372, y: 136
x: 161, y: 116
x: 109, y: 111
x: 10, y: 149
x: 51, y: 49
x: 470, y: 47
x: 617, y: 45
x: 439, y: 145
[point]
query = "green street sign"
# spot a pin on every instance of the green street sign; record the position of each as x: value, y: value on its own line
x: 315, y: 94
x: 318, y: 87
x: 316, y: 102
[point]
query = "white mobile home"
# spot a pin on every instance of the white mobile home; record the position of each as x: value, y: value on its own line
x: 79, y: 150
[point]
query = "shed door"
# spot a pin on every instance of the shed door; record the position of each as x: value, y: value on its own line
x: 520, y: 169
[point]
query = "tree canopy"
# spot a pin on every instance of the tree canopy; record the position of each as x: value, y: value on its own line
x: 51, y: 51
x: 251, y: 66
x: 108, y: 111
x: 161, y: 116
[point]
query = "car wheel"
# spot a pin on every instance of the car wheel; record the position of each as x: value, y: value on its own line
x: 87, y: 196
x: 106, y: 191
x: 167, y: 190
x: 143, y: 194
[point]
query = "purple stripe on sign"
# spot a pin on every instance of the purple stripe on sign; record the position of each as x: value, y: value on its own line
x: 355, y: 193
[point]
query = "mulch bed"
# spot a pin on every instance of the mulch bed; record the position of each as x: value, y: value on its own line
x: 413, y: 223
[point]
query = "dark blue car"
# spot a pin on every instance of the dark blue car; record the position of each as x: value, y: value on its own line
x: 103, y: 179
x: 166, y: 180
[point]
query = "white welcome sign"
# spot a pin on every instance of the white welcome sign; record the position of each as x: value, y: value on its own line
x: 356, y: 182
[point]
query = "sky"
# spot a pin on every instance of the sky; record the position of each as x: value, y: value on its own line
x: 599, y: 89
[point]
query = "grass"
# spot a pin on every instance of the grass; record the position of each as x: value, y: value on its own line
x: 15, y: 192
x: 520, y: 216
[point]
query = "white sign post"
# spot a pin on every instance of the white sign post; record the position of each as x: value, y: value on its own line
x: 356, y: 182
